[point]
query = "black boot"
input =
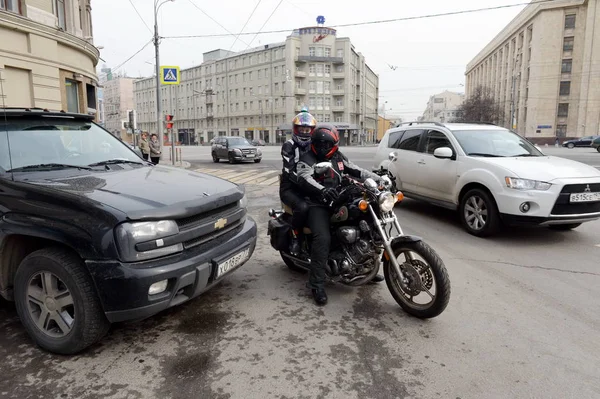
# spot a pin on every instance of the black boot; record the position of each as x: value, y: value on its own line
x: 320, y: 296
x: 377, y: 279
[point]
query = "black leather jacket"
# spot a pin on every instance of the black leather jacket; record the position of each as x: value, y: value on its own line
x: 290, y: 154
x: 314, y: 187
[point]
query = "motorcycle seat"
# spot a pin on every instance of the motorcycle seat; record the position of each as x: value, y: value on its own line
x: 288, y: 209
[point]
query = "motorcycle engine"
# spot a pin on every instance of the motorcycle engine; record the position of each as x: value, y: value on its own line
x: 358, y: 253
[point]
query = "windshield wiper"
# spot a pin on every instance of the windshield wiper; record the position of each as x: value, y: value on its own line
x: 526, y: 155
x: 114, y: 162
x: 48, y: 166
x: 483, y: 154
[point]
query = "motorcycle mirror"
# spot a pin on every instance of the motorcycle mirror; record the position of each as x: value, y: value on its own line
x: 370, y: 184
x: 322, y: 167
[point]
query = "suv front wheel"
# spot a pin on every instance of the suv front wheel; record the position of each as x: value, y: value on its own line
x: 57, y: 303
x: 479, y: 213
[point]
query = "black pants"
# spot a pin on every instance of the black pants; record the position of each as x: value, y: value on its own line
x: 155, y: 160
x: 299, y: 205
x: 318, y: 222
x: 145, y: 156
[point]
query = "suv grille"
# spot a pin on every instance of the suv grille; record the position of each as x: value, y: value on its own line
x: 249, y: 151
x: 563, y: 206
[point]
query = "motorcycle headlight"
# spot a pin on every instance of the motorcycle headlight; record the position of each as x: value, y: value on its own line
x: 128, y: 235
x: 526, y: 184
x: 387, y: 201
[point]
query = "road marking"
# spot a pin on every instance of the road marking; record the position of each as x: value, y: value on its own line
x: 259, y: 177
x: 255, y: 177
x: 271, y: 182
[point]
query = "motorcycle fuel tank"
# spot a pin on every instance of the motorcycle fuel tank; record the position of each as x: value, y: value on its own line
x: 348, y: 235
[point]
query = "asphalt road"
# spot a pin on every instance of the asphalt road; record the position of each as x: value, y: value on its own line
x: 522, y: 322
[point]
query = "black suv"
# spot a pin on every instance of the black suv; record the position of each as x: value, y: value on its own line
x: 235, y: 149
x: 91, y: 234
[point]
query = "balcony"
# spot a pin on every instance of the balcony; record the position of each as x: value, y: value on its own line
x: 300, y: 74
x: 338, y: 75
x: 209, y: 99
x: 314, y: 58
x: 338, y: 92
x: 300, y: 91
x: 338, y: 108
x: 209, y: 114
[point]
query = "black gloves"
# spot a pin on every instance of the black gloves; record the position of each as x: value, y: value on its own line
x: 330, y: 194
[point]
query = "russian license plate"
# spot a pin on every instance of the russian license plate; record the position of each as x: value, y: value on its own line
x: 585, y: 197
x: 233, y: 262
x: 249, y: 155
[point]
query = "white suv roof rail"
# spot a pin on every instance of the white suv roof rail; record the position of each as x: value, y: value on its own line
x: 420, y: 123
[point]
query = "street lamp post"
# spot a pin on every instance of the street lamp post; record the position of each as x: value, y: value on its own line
x: 159, y: 121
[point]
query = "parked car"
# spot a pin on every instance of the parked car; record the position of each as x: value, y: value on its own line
x: 582, y: 142
x: 596, y: 144
x: 88, y: 238
x: 490, y: 175
x: 235, y: 149
x: 258, y: 143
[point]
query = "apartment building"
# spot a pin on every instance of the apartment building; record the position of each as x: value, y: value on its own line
x: 443, y: 107
x: 255, y: 93
x: 118, y: 100
x: 47, y: 56
x: 542, y: 70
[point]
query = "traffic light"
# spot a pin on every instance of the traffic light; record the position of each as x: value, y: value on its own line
x: 169, y: 119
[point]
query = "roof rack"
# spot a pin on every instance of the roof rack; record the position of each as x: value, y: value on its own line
x: 420, y: 122
x: 478, y: 123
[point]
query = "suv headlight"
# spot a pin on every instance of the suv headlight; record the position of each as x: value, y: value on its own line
x: 237, y: 151
x: 387, y: 201
x: 258, y: 151
x: 526, y: 184
x: 243, y: 203
x: 128, y: 235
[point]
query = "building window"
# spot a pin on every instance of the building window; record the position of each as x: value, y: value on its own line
x: 570, y: 21
x: 312, y: 102
x: 567, y: 65
x: 250, y: 76
x: 320, y: 87
x: 319, y: 52
x: 338, y: 118
x: 326, y: 118
x: 320, y: 68
x: 11, y: 5
x: 276, y: 88
x: 276, y: 103
x: 565, y: 88
x: 340, y: 52
x: 339, y: 68
x: 260, y: 74
x: 568, y: 44
x: 312, y: 68
x: 563, y: 110
x: 311, y: 51
x: 72, y: 90
x: 327, y: 101
x: 312, y: 86
x: 326, y: 87
x: 561, y: 130
x: 327, y: 52
x: 327, y: 69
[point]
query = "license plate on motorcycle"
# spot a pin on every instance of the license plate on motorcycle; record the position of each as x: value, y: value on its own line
x: 233, y: 262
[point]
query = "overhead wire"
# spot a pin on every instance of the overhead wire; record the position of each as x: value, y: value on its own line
x: 383, y: 21
x: 263, y: 25
x: 139, y: 15
x: 130, y: 58
x: 246, y: 24
x: 216, y: 22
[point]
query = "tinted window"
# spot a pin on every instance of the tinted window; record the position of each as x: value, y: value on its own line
x: 394, y: 139
x: 4, y: 158
x: 436, y: 140
x: 494, y: 143
x: 410, y: 140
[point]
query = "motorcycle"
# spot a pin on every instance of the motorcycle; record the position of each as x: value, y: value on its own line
x: 363, y: 240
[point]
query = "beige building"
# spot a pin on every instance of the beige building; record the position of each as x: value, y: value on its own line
x: 256, y: 93
x: 542, y: 69
x: 47, y: 58
x: 443, y: 107
x: 118, y: 100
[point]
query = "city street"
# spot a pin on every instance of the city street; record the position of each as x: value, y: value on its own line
x: 522, y: 322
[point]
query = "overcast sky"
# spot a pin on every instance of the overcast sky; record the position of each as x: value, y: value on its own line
x: 430, y: 53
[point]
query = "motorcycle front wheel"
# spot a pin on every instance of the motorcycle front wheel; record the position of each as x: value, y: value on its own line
x: 427, y: 290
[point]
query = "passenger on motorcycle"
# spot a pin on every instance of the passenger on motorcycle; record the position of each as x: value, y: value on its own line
x: 303, y: 125
x: 324, y: 146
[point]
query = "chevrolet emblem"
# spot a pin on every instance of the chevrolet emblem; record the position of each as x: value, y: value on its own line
x: 219, y: 224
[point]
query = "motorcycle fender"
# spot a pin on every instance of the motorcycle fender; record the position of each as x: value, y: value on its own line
x: 401, y: 240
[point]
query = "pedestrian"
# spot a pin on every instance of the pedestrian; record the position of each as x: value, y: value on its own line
x: 154, y: 149
x: 145, y: 146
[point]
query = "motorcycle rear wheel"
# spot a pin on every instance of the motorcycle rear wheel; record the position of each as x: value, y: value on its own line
x: 438, y: 272
x: 290, y: 263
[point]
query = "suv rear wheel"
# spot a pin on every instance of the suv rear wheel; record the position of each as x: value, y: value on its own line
x: 57, y: 303
x: 479, y: 213
x: 215, y: 157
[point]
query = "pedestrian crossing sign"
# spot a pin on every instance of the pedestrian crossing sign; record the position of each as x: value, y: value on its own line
x: 169, y: 75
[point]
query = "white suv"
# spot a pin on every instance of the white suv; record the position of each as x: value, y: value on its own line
x: 490, y: 175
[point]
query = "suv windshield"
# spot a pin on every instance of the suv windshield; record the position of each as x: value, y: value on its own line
x: 495, y: 143
x: 238, y: 141
x: 60, y: 142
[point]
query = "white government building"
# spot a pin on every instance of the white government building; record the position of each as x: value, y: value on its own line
x: 255, y: 93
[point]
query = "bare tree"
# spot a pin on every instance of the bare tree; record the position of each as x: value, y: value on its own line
x: 480, y: 107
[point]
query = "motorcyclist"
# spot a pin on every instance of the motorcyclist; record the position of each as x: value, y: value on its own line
x: 303, y: 125
x: 324, y: 146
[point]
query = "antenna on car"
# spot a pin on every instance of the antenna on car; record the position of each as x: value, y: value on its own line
x: 5, y: 121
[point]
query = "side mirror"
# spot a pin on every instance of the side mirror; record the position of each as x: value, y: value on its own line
x: 393, y: 156
x: 443, y: 153
x: 322, y: 167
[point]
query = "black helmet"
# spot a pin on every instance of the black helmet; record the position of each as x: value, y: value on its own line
x: 325, y: 141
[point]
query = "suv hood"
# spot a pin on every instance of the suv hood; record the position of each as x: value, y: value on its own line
x: 545, y: 168
x: 148, y: 192
x: 243, y: 147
